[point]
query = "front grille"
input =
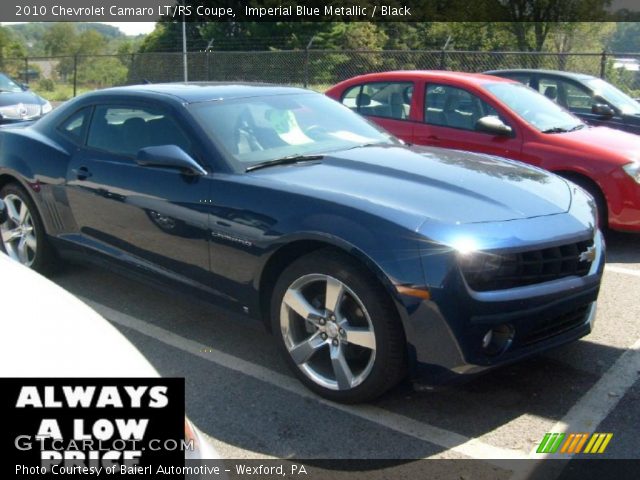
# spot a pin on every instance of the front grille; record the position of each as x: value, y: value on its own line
x: 485, y: 271
x: 550, y: 327
x: 33, y: 109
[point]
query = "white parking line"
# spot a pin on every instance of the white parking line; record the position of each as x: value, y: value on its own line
x: 451, y: 441
x: 627, y: 271
x: 594, y: 406
x: 603, y: 397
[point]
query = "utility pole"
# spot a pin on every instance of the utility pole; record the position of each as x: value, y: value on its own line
x: 184, y: 44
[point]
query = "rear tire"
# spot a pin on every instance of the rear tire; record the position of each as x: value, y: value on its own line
x: 23, y: 237
x: 337, y: 328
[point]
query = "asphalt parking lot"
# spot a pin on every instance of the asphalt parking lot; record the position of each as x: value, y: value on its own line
x: 240, y: 393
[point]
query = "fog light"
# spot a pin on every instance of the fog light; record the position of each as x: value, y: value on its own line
x: 497, y: 340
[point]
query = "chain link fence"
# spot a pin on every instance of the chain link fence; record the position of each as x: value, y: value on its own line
x: 60, y: 78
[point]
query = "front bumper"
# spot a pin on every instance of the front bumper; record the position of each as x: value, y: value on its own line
x: 447, y: 332
x: 623, y: 198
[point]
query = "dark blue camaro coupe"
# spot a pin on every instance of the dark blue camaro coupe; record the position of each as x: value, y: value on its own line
x: 368, y: 259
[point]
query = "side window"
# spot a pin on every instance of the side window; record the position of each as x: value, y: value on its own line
x: 125, y: 130
x: 552, y: 89
x: 75, y: 125
x: 454, y: 107
x: 384, y: 99
x: 351, y: 97
x: 578, y: 99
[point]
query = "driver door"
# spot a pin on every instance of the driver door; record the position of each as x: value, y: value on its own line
x: 449, y: 117
x: 144, y: 216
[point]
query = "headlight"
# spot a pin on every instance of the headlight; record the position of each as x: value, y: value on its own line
x: 10, y: 111
x: 46, y: 107
x: 633, y: 170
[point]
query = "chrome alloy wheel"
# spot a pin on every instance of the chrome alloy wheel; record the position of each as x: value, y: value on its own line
x: 18, y: 232
x: 328, y: 332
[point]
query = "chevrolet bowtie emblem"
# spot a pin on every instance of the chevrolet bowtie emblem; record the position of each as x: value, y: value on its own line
x: 589, y: 255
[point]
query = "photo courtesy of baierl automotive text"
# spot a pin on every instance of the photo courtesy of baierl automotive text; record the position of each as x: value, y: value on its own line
x: 323, y: 240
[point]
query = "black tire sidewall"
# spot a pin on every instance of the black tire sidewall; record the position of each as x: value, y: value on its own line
x: 390, y: 363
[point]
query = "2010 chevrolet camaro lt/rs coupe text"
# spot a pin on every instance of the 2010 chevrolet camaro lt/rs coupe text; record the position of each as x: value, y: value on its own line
x: 368, y: 259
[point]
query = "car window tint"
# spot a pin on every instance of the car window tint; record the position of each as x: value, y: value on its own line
x: 8, y: 85
x: 552, y: 89
x: 454, y: 107
x: 384, y: 99
x: 75, y: 125
x: 351, y: 96
x: 578, y: 99
x: 263, y: 128
x: 125, y: 131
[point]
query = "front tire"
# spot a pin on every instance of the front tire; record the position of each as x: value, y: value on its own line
x: 337, y: 328
x: 22, y: 236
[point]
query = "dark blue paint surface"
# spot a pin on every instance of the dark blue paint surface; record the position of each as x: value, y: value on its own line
x: 405, y: 213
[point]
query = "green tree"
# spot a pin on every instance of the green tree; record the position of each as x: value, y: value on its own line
x: 60, y: 39
x: 626, y: 37
x: 10, y: 51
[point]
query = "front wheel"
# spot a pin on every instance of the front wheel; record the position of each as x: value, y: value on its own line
x: 337, y: 328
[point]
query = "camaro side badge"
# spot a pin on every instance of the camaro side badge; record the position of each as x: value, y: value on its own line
x: 589, y: 255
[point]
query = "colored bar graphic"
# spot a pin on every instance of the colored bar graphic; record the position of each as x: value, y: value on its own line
x: 582, y: 442
x: 573, y: 443
x: 543, y: 443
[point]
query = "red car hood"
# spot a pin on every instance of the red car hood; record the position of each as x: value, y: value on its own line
x: 614, y: 146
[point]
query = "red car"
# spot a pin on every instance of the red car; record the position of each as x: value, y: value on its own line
x: 481, y: 113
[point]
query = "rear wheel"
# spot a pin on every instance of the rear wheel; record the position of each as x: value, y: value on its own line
x: 22, y: 236
x: 337, y: 328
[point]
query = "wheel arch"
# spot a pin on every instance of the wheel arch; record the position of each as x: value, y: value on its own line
x: 286, y: 254
x: 581, y: 178
x: 7, y: 178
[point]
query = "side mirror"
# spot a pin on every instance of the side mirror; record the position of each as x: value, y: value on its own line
x: 602, y: 109
x: 3, y: 212
x: 24, y: 87
x: 493, y: 125
x: 169, y: 156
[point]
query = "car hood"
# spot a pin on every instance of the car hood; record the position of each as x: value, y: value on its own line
x: 431, y: 183
x: 606, y: 143
x: 11, y: 98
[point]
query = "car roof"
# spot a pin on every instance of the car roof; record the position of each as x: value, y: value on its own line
x: 192, y: 92
x: 559, y: 73
x: 476, y: 78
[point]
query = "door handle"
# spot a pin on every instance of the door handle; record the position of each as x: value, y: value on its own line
x: 435, y: 138
x: 81, y: 173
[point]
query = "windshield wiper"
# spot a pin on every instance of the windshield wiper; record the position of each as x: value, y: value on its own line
x: 556, y: 130
x: 563, y: 129
x: 290, y: 160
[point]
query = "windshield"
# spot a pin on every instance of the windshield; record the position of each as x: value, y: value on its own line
x: 8, y: 85
x: 615, y: 97
x: 537, y: 110
x: 259, y: 129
